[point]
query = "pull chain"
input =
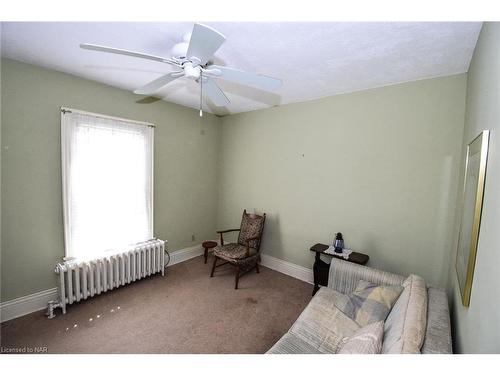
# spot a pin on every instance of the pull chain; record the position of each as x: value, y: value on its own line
x: 201, y: 93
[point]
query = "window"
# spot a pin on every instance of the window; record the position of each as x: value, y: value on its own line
x: 107, y: 173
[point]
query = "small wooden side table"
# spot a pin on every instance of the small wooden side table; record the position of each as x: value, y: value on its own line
x: 322, y: 269
x: 207, y: 245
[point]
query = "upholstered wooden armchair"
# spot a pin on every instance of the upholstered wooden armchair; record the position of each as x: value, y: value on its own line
x: 245, y: 254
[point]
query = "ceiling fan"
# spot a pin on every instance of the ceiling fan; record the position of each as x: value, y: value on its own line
x: 192, y: 59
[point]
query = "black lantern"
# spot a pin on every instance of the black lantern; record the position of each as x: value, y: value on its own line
x: 338, y: 244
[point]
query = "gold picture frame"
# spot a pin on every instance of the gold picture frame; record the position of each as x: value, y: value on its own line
x: 472, y: 205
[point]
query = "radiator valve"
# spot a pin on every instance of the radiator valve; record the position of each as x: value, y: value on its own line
x: 50, y: 308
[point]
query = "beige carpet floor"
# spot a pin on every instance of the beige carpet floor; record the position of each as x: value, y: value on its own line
x: 184, y: 312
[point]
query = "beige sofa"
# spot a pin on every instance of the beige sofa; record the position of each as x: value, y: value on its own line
x: 418, y: 322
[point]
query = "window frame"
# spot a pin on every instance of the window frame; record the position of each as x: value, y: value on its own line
x: 64, y: 168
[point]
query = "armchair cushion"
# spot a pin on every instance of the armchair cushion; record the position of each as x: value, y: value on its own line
x: 251, y: 229
x: 233, y: 252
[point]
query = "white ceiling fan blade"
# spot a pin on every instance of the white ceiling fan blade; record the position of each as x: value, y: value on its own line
x: 214, y: 93
x: 247, y: 79
x: 158, y: 83
x: 204, y: 42
x: 118, y: 51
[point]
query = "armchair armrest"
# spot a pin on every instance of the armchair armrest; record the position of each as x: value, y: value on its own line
x: 344, y: 276
x: 221, y: 232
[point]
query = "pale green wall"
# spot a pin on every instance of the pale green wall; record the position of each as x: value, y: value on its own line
x: 477, y: 328
x: 32, y: 242
x: 381, y: 166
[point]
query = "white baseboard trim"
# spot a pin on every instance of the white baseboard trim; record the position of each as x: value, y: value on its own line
x: 184, y: 254
x: 38, y: 301
x: 288, y: 268
x: 27, y: 304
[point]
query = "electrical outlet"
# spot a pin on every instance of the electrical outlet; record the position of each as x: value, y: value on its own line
x: 193, y: 237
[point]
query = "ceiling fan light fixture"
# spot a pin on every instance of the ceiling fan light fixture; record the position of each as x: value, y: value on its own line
x: 180, y: 50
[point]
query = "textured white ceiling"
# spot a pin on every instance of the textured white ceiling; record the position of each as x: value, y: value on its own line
x: 313, y: 59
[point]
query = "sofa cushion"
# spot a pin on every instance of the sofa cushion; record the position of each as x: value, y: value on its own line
x: 322, y: 325
x: 406, y: 323
x: 292, y: 344
x: 367, y: 340
x: 369, y: 302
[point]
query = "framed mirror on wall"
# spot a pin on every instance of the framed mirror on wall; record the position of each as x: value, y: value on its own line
x: 472, y: 204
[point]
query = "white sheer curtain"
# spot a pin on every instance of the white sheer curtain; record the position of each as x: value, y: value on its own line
x: 107, y: 171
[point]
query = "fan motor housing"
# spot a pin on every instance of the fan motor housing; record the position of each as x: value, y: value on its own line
x: 191, y: 71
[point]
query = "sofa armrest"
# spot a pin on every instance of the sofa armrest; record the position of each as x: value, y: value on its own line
x: 344, y: 276
x: 438, y: 333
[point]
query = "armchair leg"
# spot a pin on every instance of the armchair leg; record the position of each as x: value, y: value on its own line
x: 257, y: 267
x: 237, y: 277
x: 213, y: 267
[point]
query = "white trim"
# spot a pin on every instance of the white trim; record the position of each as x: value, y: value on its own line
x: 100, y: 115
x: 27, y: 304
x: 38, y: 301
x: 288, y: 268
x: 185, y: 254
